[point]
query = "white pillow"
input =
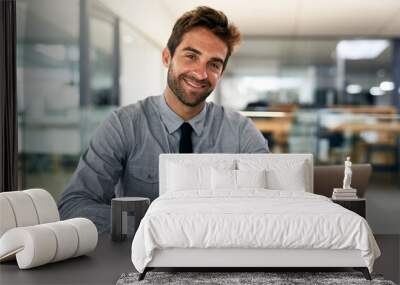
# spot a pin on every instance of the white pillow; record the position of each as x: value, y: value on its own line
x: 282, y: 174
x: 186, y: 174
x: 293, y: 180
x: 223, y: 179
x: 181, y: 177
x: 251, y: 178
x: 226, y: 179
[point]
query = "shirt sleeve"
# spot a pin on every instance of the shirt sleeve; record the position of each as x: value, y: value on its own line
x: 91, y: 188
x: 251, y: 139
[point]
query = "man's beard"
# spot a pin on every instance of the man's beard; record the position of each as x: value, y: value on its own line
x: 175, y: 84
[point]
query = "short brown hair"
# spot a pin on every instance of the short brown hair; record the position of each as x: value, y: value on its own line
x: 211, y: 19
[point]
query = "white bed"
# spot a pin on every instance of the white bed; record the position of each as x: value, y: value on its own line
x: 202, y: 220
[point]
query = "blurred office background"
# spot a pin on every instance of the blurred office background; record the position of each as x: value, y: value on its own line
x: 320, y: 76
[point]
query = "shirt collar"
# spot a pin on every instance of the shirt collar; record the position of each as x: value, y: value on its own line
x: 172, y: 121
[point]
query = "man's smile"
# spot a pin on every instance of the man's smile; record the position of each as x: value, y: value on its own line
x: 194, y: 83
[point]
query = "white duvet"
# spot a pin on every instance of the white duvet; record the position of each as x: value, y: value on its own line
x: 252, y: 218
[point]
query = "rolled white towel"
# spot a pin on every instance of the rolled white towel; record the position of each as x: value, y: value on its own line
x: 40, y: 244
x: 33, y: 246
x: 23, y: 208
x: 45, y: 206
x: 7, y: 218
x: 87, y: 235
x: 26, y: 208
x: 67, y: 240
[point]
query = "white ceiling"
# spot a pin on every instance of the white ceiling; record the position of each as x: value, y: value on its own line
x: 299, y: 18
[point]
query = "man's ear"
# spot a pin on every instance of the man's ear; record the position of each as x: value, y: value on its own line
x: 166, y: 57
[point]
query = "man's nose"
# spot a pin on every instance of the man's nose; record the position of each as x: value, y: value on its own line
x: 200, y: 72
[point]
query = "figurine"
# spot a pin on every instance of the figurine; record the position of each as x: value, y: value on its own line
x: 347, y: 174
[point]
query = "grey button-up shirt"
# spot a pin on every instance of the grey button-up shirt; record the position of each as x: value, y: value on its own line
x: 122, y: 157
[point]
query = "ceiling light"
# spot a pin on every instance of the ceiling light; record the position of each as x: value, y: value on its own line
x: 361, y: 49
x: 353, y: 89
x: 387, y: 85
x: 376, y: 91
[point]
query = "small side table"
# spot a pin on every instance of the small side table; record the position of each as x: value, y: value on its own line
x: 123, y: 208
x: 355, y: 205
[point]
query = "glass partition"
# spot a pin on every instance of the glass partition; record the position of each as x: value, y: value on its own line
x: 332, y: 134
x: 54, y: 128
x: 330, y: 97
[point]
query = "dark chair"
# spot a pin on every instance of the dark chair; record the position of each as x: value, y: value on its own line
x: 328, y: 177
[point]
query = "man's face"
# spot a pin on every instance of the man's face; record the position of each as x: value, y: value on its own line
x: 196, y: 67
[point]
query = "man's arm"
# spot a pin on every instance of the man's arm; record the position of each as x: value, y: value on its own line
x: 251, y: 140
x: 91, y: 188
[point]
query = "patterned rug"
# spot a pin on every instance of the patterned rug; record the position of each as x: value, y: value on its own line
x: 243, y: 278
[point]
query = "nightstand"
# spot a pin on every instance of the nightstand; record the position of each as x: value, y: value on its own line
x: 126, y: 214
x: 355, y: 205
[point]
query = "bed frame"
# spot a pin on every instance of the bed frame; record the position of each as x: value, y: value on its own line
x: 242, y: 259
x: 245, y: 258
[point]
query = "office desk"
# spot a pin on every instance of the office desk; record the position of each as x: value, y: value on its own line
x: 387, y: 142
x: 388, y: 127
x: 102, y: 266
x: 278, y: 127
x: 110, y: 259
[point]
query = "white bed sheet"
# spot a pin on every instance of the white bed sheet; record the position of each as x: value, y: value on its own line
x: 251, y: 218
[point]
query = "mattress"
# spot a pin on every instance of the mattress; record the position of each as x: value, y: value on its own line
x: 251, y: 219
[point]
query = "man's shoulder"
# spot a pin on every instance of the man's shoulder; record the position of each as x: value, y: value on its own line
x: 226, y: 113
x: 137, y: 109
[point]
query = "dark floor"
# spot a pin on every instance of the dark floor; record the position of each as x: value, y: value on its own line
x: 111, y: 259
x: 383, y: 215
x: 383, y: 203
x: 388, y: 263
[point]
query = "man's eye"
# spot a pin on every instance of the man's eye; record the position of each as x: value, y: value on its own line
x: 216, y: 66
x: 191, y: 56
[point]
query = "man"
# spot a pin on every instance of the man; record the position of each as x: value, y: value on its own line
x: 122, y: 157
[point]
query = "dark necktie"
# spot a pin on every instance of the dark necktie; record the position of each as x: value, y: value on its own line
x: 185, y: 144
